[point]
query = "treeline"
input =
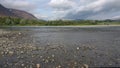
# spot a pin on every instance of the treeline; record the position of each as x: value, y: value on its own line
x: 8, y: 21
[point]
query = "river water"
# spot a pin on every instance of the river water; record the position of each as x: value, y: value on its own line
x: 94, y: 46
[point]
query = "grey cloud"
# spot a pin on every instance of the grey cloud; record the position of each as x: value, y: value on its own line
x: 93, y: 9
x: 26, y: 5
x: 18, y: 4
x: 68, y: 9
x: 61, y: 4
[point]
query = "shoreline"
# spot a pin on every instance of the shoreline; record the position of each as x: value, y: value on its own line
x: 68, y: 26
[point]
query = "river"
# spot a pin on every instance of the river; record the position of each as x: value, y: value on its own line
x: 94, y: 46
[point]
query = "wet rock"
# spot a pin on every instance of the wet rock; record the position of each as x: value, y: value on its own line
x: 2, y: 52
x: 11, y: 52
x: 59, y: 66
x: 84, y: 66
x: 22, y: 65
x: 75, y: 63
x: 118, y: 59
x: 52, y: 60
x: 31, y: 66
x: 53, y: 55
x: 41, y: 56
x: 38, y: 65
x: 78, y: 48
x: 3, y: 41
x: 48, y: 57
x: 19, y: 33
x: 21, y: 52
x: 46, y: 61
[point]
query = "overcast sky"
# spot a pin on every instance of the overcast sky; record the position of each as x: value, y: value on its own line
x: 67, y: 9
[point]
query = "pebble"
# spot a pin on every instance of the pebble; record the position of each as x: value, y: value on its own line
x: 32, y: 56
x: 59, y: 66
x: 41, y: 56
x: 53, y: 60
x: 19, y: 33
x: 11, y: 52
x: 110, y: 64
x: 78, y: 48
x: 84, y: 66
x: 48, y: 57
x: 21, y: 52
x: 31, y: 66
x: 43, y: 59
x: 75, y: 63
x: 46, y: 61
x: 38, y: 65
x: 118, y: 59
x: 3, y: 41
x: 22, y: 65
x: 2, y: 52
x: 53, y: 55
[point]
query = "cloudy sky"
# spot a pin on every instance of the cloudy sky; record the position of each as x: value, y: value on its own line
x: 67, y: 9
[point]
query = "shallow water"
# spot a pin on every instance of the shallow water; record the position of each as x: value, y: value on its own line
x: 70, y: 35
x: 98, y: 46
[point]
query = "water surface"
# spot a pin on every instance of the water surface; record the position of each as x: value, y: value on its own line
x: 95, y: 46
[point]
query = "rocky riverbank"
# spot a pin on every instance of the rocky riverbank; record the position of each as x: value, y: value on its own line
x: 16, y: 51
x: 19, y: 49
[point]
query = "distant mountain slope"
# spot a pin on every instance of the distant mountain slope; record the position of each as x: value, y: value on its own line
x: 23, y: 14
x: 117, y: 19
x: 6, y: 12
x: 15, y: 13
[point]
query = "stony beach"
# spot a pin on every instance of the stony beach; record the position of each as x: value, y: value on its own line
x: 25, y: 49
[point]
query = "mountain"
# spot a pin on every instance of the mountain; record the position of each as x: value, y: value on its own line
x: 5, y: 12
x: 117, y: 19
x: 22, y: 14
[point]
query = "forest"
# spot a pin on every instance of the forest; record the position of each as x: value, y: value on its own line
x: 10, y: 21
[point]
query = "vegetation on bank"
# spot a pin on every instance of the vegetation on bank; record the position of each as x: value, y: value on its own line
x: 8, y: 21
